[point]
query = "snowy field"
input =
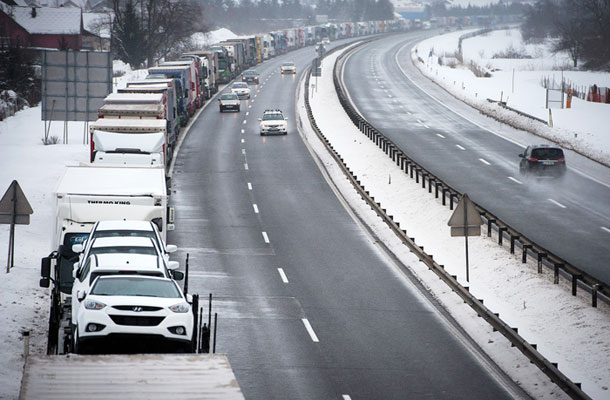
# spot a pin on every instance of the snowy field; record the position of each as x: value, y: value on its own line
x: 583, y: 128
x: 545, y: 314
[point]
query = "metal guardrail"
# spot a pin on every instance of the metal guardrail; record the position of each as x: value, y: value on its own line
x: 406, y: 164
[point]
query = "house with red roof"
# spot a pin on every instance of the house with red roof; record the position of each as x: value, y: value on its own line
x: 42, y: 27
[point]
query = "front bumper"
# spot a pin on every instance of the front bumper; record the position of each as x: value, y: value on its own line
x: 273, y: 130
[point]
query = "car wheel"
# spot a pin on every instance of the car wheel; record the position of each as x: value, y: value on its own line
x: 262, y: 134
x: 76, y: 345
x: 238, y: 109
x: 285, y: 133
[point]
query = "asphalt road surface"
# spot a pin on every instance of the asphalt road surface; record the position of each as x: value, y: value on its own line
x: 569, y: 216
x: 309, y: 306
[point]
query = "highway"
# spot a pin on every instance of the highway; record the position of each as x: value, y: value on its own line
x: 569, y: 216
x: 309, y: 305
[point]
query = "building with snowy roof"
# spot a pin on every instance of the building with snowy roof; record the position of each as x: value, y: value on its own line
x: 42, y: 27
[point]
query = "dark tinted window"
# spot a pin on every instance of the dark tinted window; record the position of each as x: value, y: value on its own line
x: 124, y: 249
x: 547, y: 153
x: 121, y: 233
x: 134, y: 286
x: 106, y: 273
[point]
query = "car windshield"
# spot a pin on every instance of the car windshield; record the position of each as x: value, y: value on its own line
x: 135, y: 286
x: 547, y: 153
x: 106, y: 273
x: 288, y: 64
x: 272, y: 117
x: 240, y: 85
x: 123, y: 250
x: 250, y: 73
x: 228, y: 97
x: 125, y: 233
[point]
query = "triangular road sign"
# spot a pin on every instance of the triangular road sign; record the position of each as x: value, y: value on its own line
x: 465, y: 214
x: 23, y: 205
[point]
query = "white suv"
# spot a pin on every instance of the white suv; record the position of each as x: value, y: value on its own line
x: 273, y: 121
x: 135, y: 307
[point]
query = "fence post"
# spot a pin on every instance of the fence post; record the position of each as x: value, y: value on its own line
x: 524, y: 256
x: 594, y: 294
x: 512, y: 243
x: 556, y: 272
x: 501, y: 230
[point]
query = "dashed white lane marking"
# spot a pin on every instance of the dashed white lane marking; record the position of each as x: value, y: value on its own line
x: 606, y: 229
x: 515, y: 180
x: 459, y: 147
x: 484, y: 161
x: 283, y: 275
x: 246, y: 166
x: 557, y: 203
x: 245, y: 122
x: 243, y: 141
x: 346, y: 397
x: 250, y: 106
x: 390, y: 96
x: 247, y: 113
x: 249, y: 186
x: 265, y: 237
x: 252, y: 101
x: 243, y: 151
x: 440, y: 136
x: 312, y: 334
x: 426, y: 126
x: 418, y: 121
x: 255, y: 208
x: 243, y: 131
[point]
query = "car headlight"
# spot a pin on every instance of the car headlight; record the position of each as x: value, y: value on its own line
x: 94, y: 305
x: 180, y: 308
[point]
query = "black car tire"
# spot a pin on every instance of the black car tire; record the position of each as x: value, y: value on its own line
x: 238, y: 108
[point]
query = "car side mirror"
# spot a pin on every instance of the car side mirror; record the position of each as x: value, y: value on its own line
x: 171, y: 248
x: 45, y: 267
x: 189, y: 298
x: 285, y: 119
x: 78, y: 248
x: 218, y: 99
x: 173, y: 265
x: 177, y: 275
x: 260, y: 119
x: 81, y: 295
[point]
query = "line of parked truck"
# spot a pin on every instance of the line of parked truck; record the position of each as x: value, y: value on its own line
x: 105, y: 282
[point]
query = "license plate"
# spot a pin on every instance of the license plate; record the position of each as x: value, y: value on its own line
x: 548, y: 163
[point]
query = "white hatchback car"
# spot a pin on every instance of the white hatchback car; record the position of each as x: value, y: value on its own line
x: 241, y: 89
x: 135, y: 307
x: 288, y: 68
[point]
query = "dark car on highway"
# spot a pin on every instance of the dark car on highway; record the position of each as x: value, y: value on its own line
x: 250, y: 76
x: 543, y: 160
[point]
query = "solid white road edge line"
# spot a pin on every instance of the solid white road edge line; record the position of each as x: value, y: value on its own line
x: 312, y: 334
x: 282, y: 275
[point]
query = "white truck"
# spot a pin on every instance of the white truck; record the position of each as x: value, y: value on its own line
x: 132, y: 136
x: 87, y: 194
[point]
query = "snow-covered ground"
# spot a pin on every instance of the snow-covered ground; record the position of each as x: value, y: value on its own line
x: 583, y: 127
x: 565, y: 328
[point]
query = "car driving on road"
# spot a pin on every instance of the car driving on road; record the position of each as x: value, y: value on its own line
x: 250, y: 76
x: 229, y: 101
x: 241, y: 89
x: 273, y: 121
x: 543, y: 160
x: 288, y: 68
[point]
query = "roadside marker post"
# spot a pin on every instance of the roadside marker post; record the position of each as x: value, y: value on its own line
x: 14, y: 210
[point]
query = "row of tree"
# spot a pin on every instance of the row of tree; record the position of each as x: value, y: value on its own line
x: 581, y: 28
x: 440, y: 9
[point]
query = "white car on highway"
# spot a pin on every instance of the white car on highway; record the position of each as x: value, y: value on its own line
x: 241, y: 89
x: 288, y: 68
x: 136, y: 308
x: 272, y: 122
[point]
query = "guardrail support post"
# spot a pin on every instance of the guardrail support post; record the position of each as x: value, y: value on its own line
x: 444, y: 191
x: 411, y: 168
x: 512, y: 243
x: 451, y: 201
x: 540, y: 257
x: 556, y: 272
x: 489, y: 222
x: 436, y: 190
x: 575, y: 279
x: 501, y: 230
x: 423, y: 180
x: 524, y: 256
x: 430, y: 184
x: 594, y: 289
x: 417, y: 175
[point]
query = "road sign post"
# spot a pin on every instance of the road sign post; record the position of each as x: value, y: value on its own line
x: 465, y: 221
x: 14, y: 209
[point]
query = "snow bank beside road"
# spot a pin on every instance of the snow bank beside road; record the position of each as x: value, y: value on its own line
x: 566, y: 329
x: 582, y: 128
